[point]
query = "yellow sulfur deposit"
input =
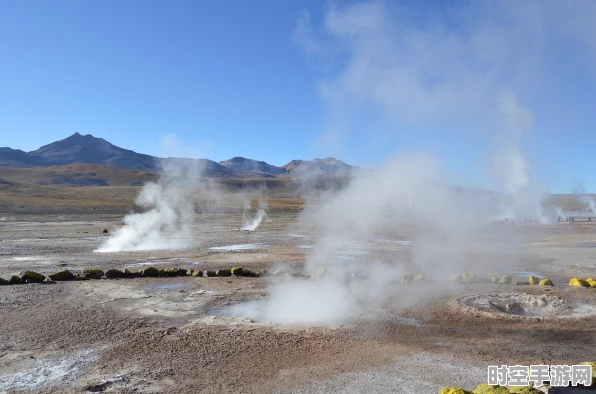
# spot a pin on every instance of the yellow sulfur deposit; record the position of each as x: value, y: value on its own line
x: 485, y: 388
x: 578, y: 282
x: 591, y: 282
x: 453, y: 390
x: 546, y: 282
x: 533, y: 280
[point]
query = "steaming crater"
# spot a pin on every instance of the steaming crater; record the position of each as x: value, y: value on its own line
x: 515, y: 305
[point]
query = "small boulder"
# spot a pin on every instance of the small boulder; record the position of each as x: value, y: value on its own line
x: 61, y: 275
x: 93, y: 273
x: 210, y: 273
x: 319, y: 272
x: 505, y: 280
x: 407, y: 279
x: 114, y: 273
x: 419, y: 278
x: 175, y: 272
x: 194, y: 272
x: 130, y: 274
x: 546, y: 282
x: 494, y: 279
x: 105, y: 231
x: 80, y: 277
x: 224, y: 272
x: 453, y: 390
x: 593, y: 364
x: 3, y: 281
x: 15, y: 280
x: 32, y: 277
x: 533, y: 280
x: 578, y: 282
x: 485, y: 388
x: 149, y: 272
x: 469, y: 277
x: 591, y: 282
x: 237, y: 271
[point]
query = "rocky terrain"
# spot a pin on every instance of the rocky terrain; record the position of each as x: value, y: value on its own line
x: 171, y: 334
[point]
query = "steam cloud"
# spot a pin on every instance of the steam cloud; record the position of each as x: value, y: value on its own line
x: 423, y: 75
x: 170, y: 212
x: 252, y: 224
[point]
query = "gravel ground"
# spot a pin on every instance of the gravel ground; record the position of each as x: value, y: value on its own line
x: 161, y: 334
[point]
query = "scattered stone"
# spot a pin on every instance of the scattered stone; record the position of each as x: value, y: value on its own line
x: 93, y: 273
x: 533, y: 280
x: 224, y: 272
x: 15, y: 280
x: 469, y: 277
x: 485, y: 388
x: 237, y: 271
x: 593, y: 364
x: 319, y: 272
x: 114, y: 273
x: 195, y: 272
x: 149, y: 272
x: 210, y: 273
x: 454, y: 390
x: 578, y: 282
x: 546, y: 282
x: 175, y: 272
x: 130, y: 274
x: 105, y: 230
x: 505, y: 280
x: 3, y: 281
x: 591, y: 282
x: 32, y: 277
x: 61, y: 275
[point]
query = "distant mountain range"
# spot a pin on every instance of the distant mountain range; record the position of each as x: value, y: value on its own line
x: 87, y: 149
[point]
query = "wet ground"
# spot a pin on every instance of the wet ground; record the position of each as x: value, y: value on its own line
x: 174, y: 334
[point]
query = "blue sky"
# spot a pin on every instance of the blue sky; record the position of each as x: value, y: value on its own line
x: 281, y: 80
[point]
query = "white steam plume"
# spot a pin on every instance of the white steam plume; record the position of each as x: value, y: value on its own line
x: 170, y: 211
x: 403, y: 68
x: 251, y: 224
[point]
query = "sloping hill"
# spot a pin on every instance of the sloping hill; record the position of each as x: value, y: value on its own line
x: 76, y: 174
x: 87, y: 149
x: 328, y: 167
x: 252, y: 168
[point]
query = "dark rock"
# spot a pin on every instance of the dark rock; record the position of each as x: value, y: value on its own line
x: 93, y: 273
x: 61, y: 275
x: 114, y: 274
x: 3, y: 281
x: 149, y: 272
x: 224, y: 272
x: 32, y: 277
x: 161, y: 272
x: 105, y: 230
x: 210, y: 273
x: 15, y: 280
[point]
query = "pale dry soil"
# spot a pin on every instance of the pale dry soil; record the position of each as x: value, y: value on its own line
x: 164, y: 335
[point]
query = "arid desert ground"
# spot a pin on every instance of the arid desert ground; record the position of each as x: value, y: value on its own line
x: 172, y: 334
